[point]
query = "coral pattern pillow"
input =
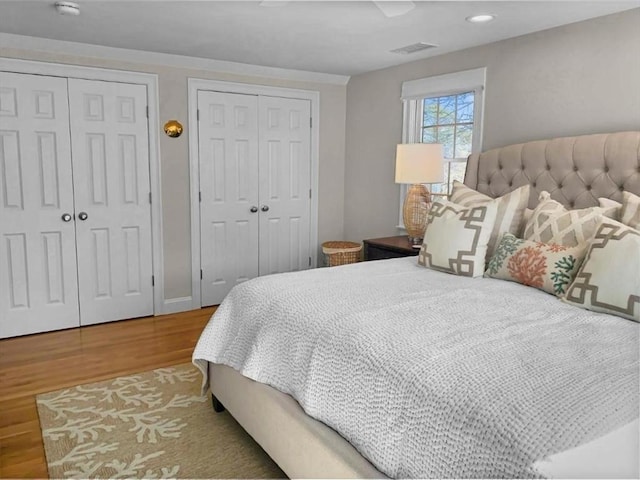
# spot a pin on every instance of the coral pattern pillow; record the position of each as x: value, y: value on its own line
x: 551, y: 222
x: 547, y: 266
x: 609, y: 279
x: 511, y: 207
x: 456, y: 238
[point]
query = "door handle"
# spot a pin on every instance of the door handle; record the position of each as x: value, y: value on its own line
x: 254, y: 209
x: 66, y: 217
x: 265, y: 208
x: 83, y: 216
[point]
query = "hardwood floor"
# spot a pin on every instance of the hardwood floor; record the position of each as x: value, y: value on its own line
x: 51, y: 361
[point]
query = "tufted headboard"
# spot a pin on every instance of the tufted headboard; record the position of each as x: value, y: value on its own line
x: 575, y: 170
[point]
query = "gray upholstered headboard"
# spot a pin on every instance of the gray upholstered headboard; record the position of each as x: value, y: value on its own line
x: 575, y: 170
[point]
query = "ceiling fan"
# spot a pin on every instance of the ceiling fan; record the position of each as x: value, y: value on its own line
x: 390, y: 8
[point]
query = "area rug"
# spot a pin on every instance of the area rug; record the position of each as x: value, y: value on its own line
x: 150, y: 425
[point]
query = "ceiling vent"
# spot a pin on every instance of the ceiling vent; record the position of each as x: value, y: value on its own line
x: 416, y: 47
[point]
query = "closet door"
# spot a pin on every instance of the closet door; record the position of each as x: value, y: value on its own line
x: 228, y: 155
x: 285, y: 183
x: 38, y: 284
x: 110, y: 146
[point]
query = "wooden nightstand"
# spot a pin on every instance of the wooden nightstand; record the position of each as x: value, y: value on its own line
x: 388, y: 247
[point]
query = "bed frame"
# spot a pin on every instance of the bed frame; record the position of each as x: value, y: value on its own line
x: 575, y: 170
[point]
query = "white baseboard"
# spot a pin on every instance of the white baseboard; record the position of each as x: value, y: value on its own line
x: 176, y: 305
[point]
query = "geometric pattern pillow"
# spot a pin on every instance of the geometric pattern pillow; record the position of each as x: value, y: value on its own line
x: 509, y: 217
x: 630, y: 214
x: 551, y: 222
x: 546, y: 266
x: 609, y: 279
x: 456, y: 238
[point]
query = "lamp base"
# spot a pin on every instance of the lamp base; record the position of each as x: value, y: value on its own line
x: 414, y: 213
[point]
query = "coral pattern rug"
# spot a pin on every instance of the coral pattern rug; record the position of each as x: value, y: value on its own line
x: 149, y: 425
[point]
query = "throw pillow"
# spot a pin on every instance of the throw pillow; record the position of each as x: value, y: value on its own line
x: 528, y: 213
x: 609, y: 279
x: 630, y: 214
x: 510, y: 209
x: 456, y: 238
x: 551, y: 222
x: 611, y: 204
x: 546, y: 266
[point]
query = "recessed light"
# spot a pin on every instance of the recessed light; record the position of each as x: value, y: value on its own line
x: 484, y: 18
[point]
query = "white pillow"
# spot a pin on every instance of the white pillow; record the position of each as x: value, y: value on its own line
x: 510, y: 210
x: 630, y: 214
x: 609, y: 279
x: 611, y: 204
x: 456, y: 238
x: 627, y: 212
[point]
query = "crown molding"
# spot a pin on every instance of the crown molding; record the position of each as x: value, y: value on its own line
x: 23, y: 42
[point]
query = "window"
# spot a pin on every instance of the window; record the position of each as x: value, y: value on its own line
x: 448, y: 119
x: 445, y: 109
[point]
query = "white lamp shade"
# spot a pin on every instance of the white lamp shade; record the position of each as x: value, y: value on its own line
x: 419, y: 163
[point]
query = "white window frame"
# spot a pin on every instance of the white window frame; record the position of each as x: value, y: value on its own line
x: 415, y: 91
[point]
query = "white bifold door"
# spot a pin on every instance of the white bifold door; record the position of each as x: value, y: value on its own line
x: 255, y: 178
x: 110, y: 152
x: 38, y: 280
x: 75, y: 230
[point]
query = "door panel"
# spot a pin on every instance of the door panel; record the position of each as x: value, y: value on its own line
x: 38, y: 282
x: 285, y: 182
x: 109, y: 138
x: 228, y: 156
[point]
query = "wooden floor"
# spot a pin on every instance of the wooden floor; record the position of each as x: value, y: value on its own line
x: 50, y: 361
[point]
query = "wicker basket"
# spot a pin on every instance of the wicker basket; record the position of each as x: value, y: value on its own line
x: 341, y: 253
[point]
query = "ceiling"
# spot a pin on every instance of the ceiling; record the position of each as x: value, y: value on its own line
x: 336, y: 37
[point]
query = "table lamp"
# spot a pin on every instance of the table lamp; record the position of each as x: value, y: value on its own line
x: 418, y: 163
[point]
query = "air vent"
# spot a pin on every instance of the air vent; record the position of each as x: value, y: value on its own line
x: 416, y: 47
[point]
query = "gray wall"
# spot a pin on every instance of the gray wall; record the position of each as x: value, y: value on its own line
x: 577, y: 79
x: 175, y: 160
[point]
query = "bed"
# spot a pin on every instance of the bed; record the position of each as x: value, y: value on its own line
x: 495, y: 379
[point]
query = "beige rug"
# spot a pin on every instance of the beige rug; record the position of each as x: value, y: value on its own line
x: 150, y: 425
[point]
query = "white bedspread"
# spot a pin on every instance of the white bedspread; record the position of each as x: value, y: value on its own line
x: 428, y: 374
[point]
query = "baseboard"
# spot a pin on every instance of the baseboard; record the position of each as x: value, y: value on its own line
x: 176, y: 305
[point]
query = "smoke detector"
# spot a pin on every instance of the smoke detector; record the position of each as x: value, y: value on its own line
x: 67, y: 8
x: 413, y: 48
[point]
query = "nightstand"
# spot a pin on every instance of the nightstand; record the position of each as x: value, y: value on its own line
x: 388, y: 247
